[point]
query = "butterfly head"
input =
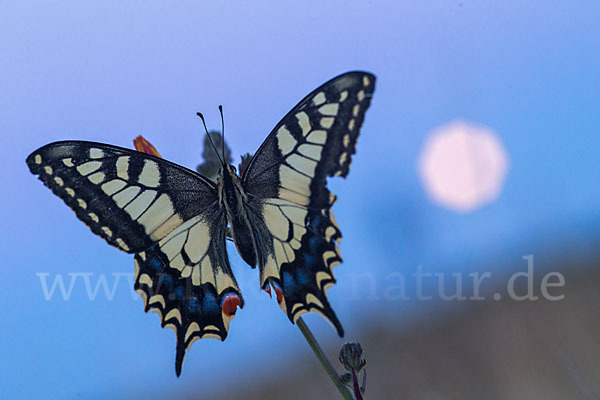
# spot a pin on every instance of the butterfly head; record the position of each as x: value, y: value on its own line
x: 228, y: 170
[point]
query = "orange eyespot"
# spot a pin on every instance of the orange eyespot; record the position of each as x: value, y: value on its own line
x: 279, y: 294
x: 278, y: 291
x: 230, y: 304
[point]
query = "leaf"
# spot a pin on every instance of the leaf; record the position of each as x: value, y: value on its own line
x: 351, y: 357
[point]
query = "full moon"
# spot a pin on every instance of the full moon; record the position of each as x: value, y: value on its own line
x: 462, y: 166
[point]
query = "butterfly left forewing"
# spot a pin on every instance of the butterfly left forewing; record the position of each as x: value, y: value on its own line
x: 128, y: 198
x: 288, y: 175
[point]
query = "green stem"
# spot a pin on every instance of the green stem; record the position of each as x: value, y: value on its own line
x: 314, y: 345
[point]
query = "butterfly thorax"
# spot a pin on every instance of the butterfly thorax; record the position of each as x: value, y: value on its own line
x: 233, y: 199
x: 231, y: 192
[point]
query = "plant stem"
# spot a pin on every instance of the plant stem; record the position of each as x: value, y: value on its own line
x: 314, y: 345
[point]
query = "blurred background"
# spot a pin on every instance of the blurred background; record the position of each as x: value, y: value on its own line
x: 479, y: 155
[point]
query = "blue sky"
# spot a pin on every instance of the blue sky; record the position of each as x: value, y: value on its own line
x: 109, y: 71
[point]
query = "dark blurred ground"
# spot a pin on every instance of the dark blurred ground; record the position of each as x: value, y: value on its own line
x: 485, y: 350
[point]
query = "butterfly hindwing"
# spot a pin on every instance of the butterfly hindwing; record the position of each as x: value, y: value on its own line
x: 187, y: 280
x: 303, y: 253
x: 289, y: 175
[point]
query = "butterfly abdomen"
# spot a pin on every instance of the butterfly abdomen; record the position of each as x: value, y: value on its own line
x: 244, y: 240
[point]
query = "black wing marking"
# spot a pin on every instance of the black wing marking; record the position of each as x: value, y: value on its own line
x: 187, y: 280
x: 288, y: 176
x: 130, y: 199
x: 167, y: 214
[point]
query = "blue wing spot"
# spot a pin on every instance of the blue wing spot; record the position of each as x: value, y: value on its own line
x: 288, y: 282
x: 313, y: 243
x: 209, y: 303
x: 291, y: 283
x: 302, y: 277
x: 179, y: 293
x: 193, y: 304
x: 167, y: 281
x: 316, y: 223
x: 155, y: 264
x: 309, y: 259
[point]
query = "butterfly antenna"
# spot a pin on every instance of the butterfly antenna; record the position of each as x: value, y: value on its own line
x: 209, y: 138
x: 222, y: 130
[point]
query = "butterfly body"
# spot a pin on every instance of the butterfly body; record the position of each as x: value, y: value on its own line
x: 175, y: 221
x: 235, y: 201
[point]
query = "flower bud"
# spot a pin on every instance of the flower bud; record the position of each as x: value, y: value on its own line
x: 351, y: 357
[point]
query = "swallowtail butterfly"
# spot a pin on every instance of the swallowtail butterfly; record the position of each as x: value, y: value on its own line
x: 175, y: 221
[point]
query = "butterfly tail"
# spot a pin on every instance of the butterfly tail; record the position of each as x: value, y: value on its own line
x: 329, y: 314
x: 179, y: 355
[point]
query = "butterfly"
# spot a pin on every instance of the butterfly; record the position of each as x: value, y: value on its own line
x: 175, y: 221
